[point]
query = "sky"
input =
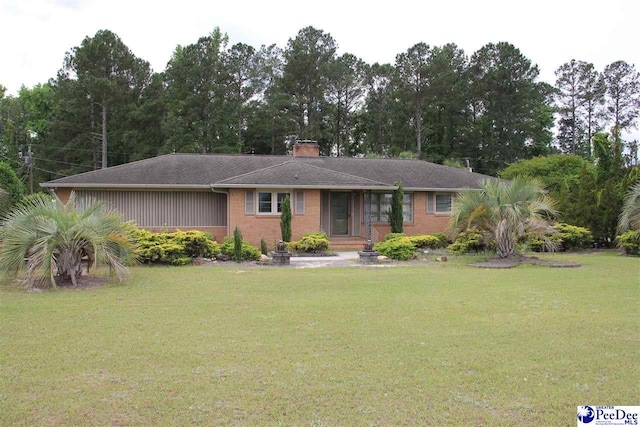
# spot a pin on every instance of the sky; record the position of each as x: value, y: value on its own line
x: 35, y: 34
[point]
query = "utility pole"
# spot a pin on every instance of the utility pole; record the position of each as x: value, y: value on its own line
x: 28, y: 161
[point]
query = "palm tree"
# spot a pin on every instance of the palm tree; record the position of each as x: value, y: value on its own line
x: 505, y: 210
x: 630, y: 216
x: 44, y: 238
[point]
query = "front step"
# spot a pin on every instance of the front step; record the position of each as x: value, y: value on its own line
x: 347, y: 243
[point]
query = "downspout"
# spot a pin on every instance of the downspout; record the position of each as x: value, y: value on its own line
x: 226, y: 193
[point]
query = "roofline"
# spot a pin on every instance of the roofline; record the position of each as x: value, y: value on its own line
x: 436, y: 189
x: 311, y: 187
x: 146, y: 186
x: 223, y: 186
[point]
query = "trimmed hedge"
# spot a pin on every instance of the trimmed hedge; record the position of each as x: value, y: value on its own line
x: 400, y: 248
x: 630, y: 242
x: 467, y: 241
x: 392, y: 236
x: 177, y: 248
x: 310, y: 242
x: 426, y: 241
x: 567, y: 237
x: 249, y: 252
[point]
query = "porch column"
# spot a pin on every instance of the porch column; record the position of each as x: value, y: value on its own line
x: 367, y: 212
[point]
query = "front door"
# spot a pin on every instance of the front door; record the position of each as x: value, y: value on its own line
x: 339, y: 214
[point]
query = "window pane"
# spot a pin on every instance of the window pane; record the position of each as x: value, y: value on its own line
x: 407, y: 208
x: 264, y: 202
x: 443, y: 202
x: 385, y: 207
x: 281, y: 197
x: 248, y: 203
x: 299, y: 202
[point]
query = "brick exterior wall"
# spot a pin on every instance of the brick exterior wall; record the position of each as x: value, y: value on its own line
x: 423, y: 222
x: 257, y: 226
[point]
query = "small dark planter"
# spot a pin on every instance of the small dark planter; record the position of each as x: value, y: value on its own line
x: 281, y: 256
x: 368, y: 255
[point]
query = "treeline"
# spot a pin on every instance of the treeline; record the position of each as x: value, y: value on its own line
x: 106, y: 106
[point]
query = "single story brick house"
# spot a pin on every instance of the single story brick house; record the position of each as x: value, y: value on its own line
x: 347, y: 198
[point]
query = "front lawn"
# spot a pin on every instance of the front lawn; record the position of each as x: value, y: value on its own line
x: 436, y: 344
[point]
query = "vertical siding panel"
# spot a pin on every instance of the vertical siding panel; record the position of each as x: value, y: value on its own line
x: 162, y: 208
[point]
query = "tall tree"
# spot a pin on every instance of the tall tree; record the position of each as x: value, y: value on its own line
x: 197, y: 111
x: 413, y: 75
x: 511, y: 115
x: 308, y: 59
x: 376, y: 119
x: 107, y: 72
x: 345, y: 95
x: 245, y: 75
x: 447, y: 113
x: 571, y: 126
x: 623, y: 95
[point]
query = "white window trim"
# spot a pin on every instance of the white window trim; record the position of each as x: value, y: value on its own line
x: 274, y: 201
x: 435, y: 203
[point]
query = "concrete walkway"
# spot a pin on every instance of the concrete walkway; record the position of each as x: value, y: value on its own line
x: 345, y: 258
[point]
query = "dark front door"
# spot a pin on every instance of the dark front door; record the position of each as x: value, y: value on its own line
x: 340, y: 214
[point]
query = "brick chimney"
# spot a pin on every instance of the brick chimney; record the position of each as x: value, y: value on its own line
x: 306, y: 148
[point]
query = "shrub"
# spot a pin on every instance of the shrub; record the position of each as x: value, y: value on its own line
x: 467, y: 241
x: 237, y: 245
x: 196, y: 243
x: 426, y: 241
x: 263, y: 246
x: 573, y: 237
x: 285, y: 219
x: 310, y: 242
x: 177, y: 248
x: 392, y: 236
x: 399, y: 248
x: 248, y: 252
x: 566, y: 237
x: 444, y: 240
x: 630, y: 242
x: 397, y: 215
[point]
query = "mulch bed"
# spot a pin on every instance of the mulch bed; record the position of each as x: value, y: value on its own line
x: 511, y: 262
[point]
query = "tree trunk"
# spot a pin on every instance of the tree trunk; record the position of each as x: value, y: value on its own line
x: 104, y: 134
x: 505, y: 246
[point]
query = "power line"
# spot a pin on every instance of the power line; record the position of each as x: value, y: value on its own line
x: 66, y: 163
x: 52, y: 172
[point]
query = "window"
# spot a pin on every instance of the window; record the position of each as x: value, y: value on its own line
x: 264, y: 203
x: 381, y: 207
x: 270, y: 202
x: 249, y: 208
x: 443, y: 203
x: 299, y: 203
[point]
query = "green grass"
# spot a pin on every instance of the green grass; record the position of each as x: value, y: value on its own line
x: 436, y: 344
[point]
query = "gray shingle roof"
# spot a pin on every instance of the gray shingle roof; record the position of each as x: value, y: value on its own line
x: 224, y: 171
